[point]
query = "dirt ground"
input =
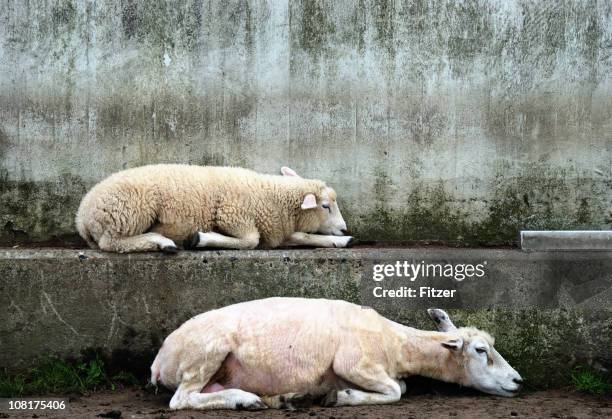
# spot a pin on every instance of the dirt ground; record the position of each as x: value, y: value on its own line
x: 138, y: 403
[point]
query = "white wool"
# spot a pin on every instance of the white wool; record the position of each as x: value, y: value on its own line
x: 153, y: 207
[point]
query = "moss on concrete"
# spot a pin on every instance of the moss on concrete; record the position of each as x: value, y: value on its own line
x: 108, y: 85
x: 538, y: 346
x: 162, y: 25
x: 538, y: 197
x: 315, y: 27
x: 535, y: 341
x: 64, y: 15
x: 360, y: 24
x: 39, y: 211
x: 57, y: 376
x: 126, y: 305
x: 384, y: 22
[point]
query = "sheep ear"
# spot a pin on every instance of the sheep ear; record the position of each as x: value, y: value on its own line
x: 309, y: 202
x: 453, y: 344
x: 286, y: 171
x: 443, y: 322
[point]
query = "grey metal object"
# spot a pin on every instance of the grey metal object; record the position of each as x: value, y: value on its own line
x: 566, y: 240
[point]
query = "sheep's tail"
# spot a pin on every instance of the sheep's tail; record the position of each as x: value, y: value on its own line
x: 84, y: 232
x: 155, y: 371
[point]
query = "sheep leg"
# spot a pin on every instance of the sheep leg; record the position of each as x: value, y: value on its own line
x: 289, y: 401
x: 383, y: 389
x: 212, y: 239
x: 188, y: 396
x: 352, y: 397
x: 176, y: 232
x: 317, y: 240
x: 140, y: 243
x: 403, y: 387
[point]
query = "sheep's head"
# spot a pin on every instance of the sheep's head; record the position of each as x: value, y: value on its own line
x: 324, y: 216
x: 480, y: 366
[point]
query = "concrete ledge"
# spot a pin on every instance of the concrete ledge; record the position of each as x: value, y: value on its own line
x: 64, y: 302
x: 566, y: 240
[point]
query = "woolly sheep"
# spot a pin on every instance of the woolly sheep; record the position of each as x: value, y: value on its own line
x: 281, y: 352
x: 154, y: 207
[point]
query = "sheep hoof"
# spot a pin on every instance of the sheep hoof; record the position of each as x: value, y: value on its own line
x: 351, y: 242
x: 256, y: 405
x: 192, y: 241
x: 330, y: 399
x: 170, y: 250
x: 296, y: 401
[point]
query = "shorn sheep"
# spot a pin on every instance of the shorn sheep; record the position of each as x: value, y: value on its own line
x: 155, y: 207
x: 279, y: 352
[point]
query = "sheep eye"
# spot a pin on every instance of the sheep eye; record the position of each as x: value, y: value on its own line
x: 325, y: 206
x: 481, y: 350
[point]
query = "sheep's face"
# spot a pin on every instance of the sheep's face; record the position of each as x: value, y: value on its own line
x: 321, y: 213
x: 485, y: 369
x: 477, y: 363
x: 329, y: 216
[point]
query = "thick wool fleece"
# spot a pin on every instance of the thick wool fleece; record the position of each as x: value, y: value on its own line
x: 178, y: 200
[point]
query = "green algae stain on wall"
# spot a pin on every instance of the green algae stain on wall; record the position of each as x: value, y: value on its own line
x: 39, y: 211
x: 543, y: 349
x: 359, y: 21
x: 315, y: 28
x: 162, y: 25
x: 525, y: 79
x: 539, y: 197
x: 384, y: 21
x: 425, y: 217
x: 540, y: 343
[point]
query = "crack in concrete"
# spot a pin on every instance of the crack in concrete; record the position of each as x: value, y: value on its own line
x: 146, y: 306
x: 115, y: 319
x: 59, y: 317
x: 112, y: 324
x: 17, y: 308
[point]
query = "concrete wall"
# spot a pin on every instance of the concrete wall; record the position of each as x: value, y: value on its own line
x: 548, y: 311
x: 459, y: 121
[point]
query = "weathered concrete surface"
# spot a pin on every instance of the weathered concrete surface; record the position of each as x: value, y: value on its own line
x: 458, y: 121
x: 556, y: 306
x: 566, y: 240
